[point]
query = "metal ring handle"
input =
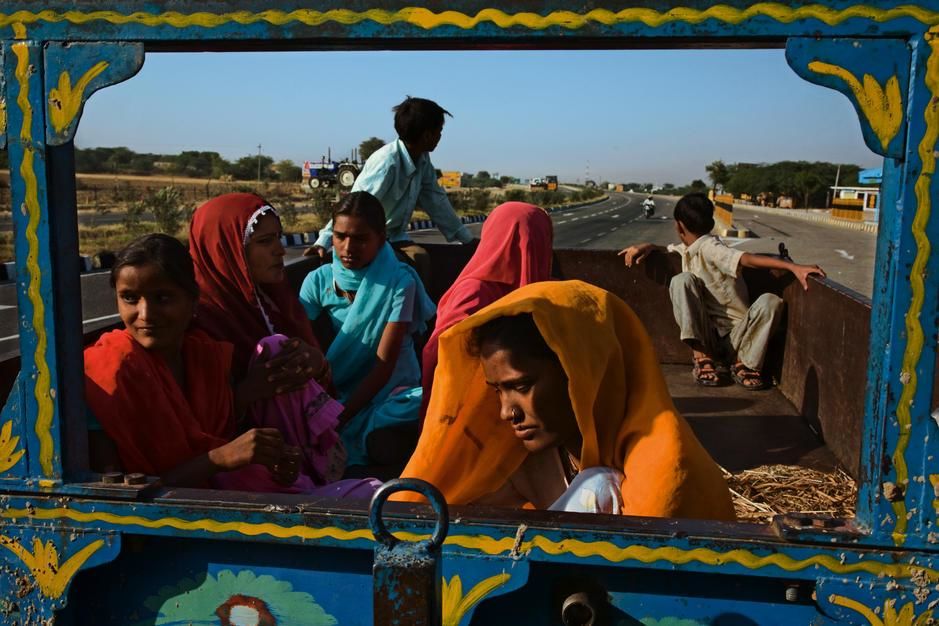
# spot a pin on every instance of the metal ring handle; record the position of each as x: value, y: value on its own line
x: 434, y: 497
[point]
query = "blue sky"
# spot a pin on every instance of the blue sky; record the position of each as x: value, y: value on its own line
x: 656, y: 116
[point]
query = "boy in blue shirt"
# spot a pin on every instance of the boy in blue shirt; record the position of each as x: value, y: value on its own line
x: 402, y: 177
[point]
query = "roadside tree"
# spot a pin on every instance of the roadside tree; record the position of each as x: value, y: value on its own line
x: 369, y: 146
x: 288, y: 171
x: 718, y: 173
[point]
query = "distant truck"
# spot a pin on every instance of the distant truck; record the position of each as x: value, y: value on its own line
x: 327, y: 173
x: 450, y: 180
x: 548, y: 183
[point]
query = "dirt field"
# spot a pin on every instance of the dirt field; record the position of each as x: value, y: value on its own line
x: 104, y: 199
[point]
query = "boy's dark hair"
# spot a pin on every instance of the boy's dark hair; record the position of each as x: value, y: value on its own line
x: 167, y: 253
x: 415, y: 116
x: 516, y: 333
x: 696, y: 212
x: 364, y: 205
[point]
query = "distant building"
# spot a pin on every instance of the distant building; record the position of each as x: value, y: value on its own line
x: 450, y: 180
x: 873, y: 176
x: 855, y: 203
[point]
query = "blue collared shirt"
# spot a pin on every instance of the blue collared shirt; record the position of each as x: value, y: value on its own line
x: 401, y: 184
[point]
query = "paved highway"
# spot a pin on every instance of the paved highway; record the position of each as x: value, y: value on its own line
x: 847, y: 255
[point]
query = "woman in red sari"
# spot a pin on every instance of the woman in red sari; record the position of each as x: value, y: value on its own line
x: 234, y: 240
x: 515, y: 249
x: 160, y: 395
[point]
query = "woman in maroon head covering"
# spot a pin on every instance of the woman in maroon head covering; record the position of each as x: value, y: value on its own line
x: 234, y: 241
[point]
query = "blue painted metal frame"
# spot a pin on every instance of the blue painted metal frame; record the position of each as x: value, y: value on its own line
x: 837, y: 43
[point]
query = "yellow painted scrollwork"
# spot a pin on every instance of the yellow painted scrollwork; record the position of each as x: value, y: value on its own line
x: 456, y: 605
x: 428, y: 19
x: 65, y: 101
x: 881, y: 105
x: 43, y: 563
x: 906, y: 616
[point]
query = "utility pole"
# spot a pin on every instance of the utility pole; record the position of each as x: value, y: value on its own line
x: 834, y: 192
x: 259, y: 164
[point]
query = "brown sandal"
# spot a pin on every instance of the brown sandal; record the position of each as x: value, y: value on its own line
x: 749, y: 379
x: 705, y: 373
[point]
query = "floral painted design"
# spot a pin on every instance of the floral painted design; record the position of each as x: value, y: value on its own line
x: 10, y: 452
x: 906, y: 616
x: 230, y: 599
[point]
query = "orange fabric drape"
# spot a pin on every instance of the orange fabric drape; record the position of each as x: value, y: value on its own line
x: 622, y: 405
x: 515, y: 249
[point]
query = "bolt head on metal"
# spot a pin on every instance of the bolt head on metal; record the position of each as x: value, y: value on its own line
x: 792, y: 593
x: 112, y: 478
x: 135, y: 479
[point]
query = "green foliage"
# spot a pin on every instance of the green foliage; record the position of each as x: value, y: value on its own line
x: 167, y: 209
x: 479, y: 200
x: 322, y: 202
x: 246, y: 168
x: 807, y: 182
x: 189, y: 163
x: 516, y: 195
x: 718, y: 172
x: 196, y: 164
x: 133, y: 217
x: 483, y: 179
x: 369, y: 146
x: 289, y: 215
x: 547, y: 198
x: 288, y: 172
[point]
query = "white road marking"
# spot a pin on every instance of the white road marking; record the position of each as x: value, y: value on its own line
x: 614, y: 216
x: 113, y: 316
x: 587, y: 240
x: 844, y: 255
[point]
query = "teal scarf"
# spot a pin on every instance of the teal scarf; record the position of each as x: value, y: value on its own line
x: 352, y: 353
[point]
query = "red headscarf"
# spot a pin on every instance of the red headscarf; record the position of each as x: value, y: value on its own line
x: 514, y: 250
x: 122, y: 377
x: 229, y: 301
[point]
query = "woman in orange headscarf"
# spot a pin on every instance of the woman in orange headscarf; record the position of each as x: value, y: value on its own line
x: 514, y: 250
x: 562, y: 366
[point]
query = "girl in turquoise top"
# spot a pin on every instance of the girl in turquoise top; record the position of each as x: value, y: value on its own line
x: 375, y: 305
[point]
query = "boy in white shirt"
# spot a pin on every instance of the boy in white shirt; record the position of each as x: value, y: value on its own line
x: 710, y: 300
